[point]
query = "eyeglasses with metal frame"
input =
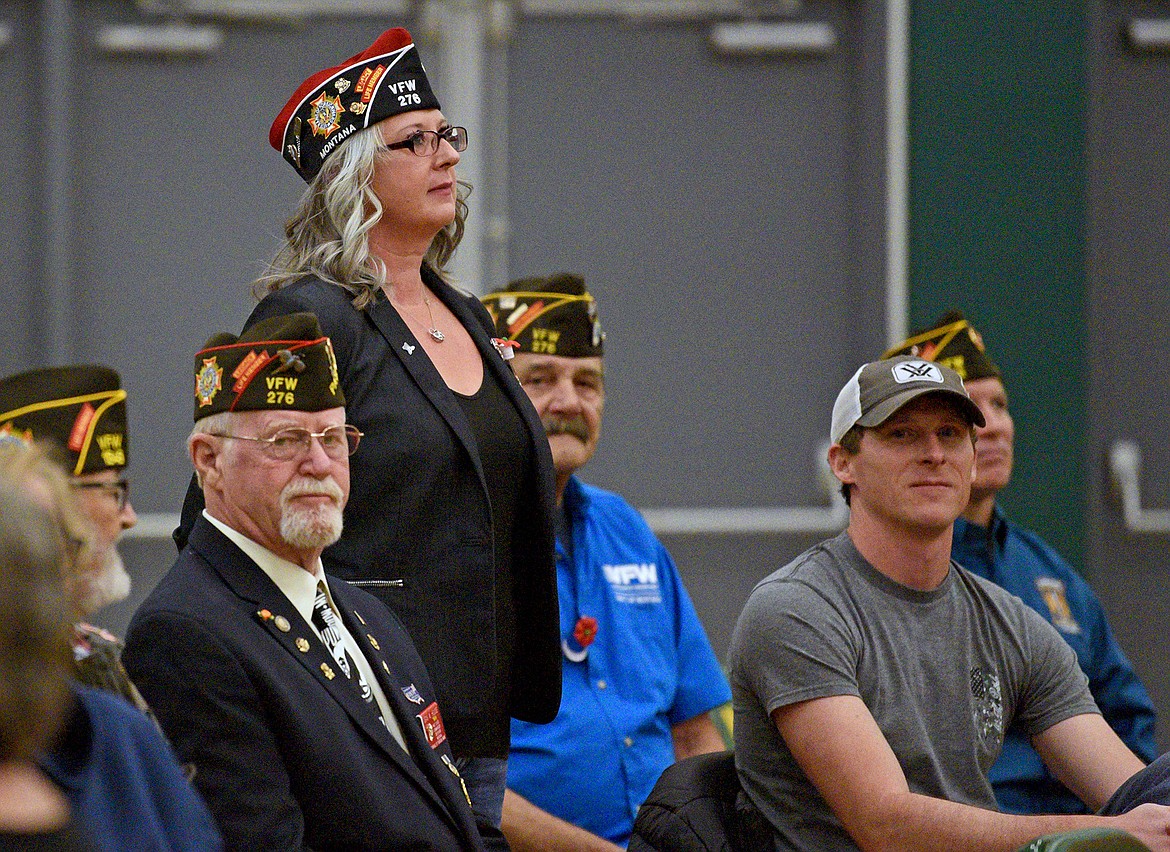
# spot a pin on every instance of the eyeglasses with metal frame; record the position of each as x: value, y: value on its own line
x: 426, y: 142
x: 293, y: 442
x: 119, y: 489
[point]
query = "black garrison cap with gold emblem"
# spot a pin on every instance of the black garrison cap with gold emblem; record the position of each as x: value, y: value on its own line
x: 81, y: 408
x: 280, y: 363
x: 383, y: 80
x: 953, y: 342
x: 548, y: 316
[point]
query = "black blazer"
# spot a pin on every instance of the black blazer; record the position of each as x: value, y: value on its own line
x: 286, y: 757
x: 418, y: 531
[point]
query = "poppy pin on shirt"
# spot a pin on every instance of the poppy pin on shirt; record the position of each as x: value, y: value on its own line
x: 584, y: 632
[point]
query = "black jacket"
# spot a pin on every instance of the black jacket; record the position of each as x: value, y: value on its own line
x: 287, y: 757
x: 418, y: 532
x: 697, y: 805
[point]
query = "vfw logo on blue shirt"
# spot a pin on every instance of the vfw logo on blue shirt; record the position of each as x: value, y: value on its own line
x: 634, y: 583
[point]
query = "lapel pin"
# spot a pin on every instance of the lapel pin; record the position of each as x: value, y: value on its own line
x: 505, y: 347
x: 451, y: 765
x: 328, y: 672
x: 282, y: 624
x: 407, y: 348
x: 374, y: 642
x: 302, y: 644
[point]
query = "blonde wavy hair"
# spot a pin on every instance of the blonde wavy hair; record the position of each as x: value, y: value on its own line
x: 328, y: 232
x: 36, y: 622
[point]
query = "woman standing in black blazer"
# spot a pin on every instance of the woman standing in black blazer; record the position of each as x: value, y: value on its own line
x: 450, y: 513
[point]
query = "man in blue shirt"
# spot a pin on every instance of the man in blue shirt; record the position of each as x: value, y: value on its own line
x: 639, y: 675
x: 988, y: 544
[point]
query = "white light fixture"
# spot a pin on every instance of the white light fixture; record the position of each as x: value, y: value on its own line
x: 163, y: 40
x: 284, y: 11
x: 771, y: 38
x: 636, y: 9
x: 1149, y: 33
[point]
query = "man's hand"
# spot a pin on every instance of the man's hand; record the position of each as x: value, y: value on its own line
x: 1148, y: 823
x: 530, y: 829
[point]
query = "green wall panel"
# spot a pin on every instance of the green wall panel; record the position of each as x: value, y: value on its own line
x: 997, y: 224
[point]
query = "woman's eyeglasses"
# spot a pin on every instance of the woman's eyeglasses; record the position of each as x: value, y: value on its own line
x: 426, y: 142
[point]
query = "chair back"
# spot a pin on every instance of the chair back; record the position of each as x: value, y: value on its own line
x: 1087, y: 840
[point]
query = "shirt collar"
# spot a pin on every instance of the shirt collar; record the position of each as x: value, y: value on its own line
x: 995, y: 533
x: 575, y: 499
x: 297, y: 584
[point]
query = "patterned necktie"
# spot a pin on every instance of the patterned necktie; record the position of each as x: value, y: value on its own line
x: 328, y: 625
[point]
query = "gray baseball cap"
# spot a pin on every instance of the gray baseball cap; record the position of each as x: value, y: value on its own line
x: 880, y: 388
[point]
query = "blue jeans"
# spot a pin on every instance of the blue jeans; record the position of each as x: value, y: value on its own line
x: 486, y: 778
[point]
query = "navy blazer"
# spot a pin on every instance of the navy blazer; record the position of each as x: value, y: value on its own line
x: 287, y: 756
x: 418, y: 530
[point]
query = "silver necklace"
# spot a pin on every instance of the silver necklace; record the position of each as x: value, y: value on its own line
x: 432, y: 330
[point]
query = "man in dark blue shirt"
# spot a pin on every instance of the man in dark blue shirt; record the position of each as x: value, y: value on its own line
x: 988, y: 544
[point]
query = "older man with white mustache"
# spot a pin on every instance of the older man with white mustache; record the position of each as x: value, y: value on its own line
x: 639, y: 677
x: 300, y: 700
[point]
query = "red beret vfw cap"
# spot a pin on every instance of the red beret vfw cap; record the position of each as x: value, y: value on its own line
x: 383, y: 80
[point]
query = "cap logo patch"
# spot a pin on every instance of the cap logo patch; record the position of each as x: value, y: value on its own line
x: 1053, y: 592
x: 10, y: 435
x: 544, y: 341
x: 958, y: 363
x: 524, y: 314
x: 110, y: 446
x: 289, y: 361
x: 294, y: 148
x: 248, y: 368
x: 208, y: 381
x: 80, y: 428
x: 368, y: 81
x: 324, y: 114
x: 916, y: 371
x: 334, y: 379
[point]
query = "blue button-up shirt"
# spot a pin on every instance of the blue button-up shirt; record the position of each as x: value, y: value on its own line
x: 649, y: 668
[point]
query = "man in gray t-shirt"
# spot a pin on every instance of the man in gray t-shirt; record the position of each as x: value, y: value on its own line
x: 873, y: 679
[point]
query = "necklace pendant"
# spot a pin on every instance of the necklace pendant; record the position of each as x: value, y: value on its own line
x: 435, y: 333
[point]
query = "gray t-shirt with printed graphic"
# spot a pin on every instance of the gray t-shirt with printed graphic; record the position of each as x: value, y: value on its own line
x: 943, y: 672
